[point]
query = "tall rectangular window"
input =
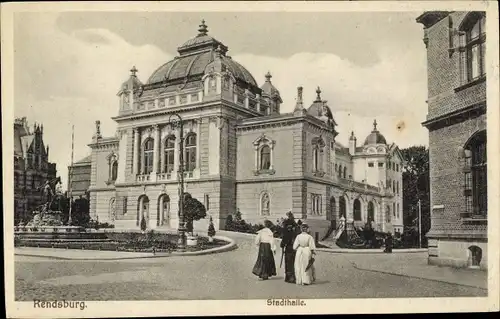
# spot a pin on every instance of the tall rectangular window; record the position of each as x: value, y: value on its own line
x: 207, y: 202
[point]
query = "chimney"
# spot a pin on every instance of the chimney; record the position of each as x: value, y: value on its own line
x: 352, y: 144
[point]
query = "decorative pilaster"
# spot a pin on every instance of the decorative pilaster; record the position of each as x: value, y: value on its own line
x: 135, y: 164
x: 156, y: 149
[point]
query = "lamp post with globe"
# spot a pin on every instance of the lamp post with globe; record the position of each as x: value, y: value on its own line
x: 178, y: 123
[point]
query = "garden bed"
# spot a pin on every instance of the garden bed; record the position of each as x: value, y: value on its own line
x: 126, y: 242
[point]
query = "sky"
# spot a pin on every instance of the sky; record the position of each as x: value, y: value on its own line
x: 69, y: 66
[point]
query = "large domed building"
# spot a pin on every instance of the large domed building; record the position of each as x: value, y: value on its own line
x: 240, y: 151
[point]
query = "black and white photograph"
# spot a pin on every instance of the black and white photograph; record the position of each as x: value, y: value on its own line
x: 258, y: 158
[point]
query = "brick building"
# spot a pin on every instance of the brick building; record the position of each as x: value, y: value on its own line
x: 241, y: 152
x: 79, y: 177
x: 31, y: 168
x: 456, y: 122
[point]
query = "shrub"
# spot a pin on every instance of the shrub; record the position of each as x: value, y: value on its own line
x: 211, y: 228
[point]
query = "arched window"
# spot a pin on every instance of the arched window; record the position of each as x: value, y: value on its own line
x: 475, y: 170
x: 472, y: 43
x: 340, y: 171
x: 264, y: 204
x: 169, y: 154
x: 394, y: 187
x: 190, y: 149
x: 163, y: 210
x: 397, y: 212
x: 475, y: 256
x: 357, y: 209
x: 394, y: 209
x: 147, y: 167
x: 316, y: 158
x: 345, y: 172
x: 265, y: 157
x: 114, y: 170
x: 336, y: 167
x: 371, y: 212
x: 342, y: 207
x: 142, y: 209
x: 397, y: 187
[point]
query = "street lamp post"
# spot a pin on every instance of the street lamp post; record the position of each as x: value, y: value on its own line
x: 419, y: 224
x: 182, y: 228
x: 70, y: 179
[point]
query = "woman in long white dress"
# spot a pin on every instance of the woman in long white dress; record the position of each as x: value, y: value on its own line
x: 305, y: 247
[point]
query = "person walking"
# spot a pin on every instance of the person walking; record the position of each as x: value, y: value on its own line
x: 304, y: 258
x: 265, y: 266
x: 290, y: 231
x: 388, y: 243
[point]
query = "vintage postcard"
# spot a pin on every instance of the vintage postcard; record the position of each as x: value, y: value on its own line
x: 231, y: 158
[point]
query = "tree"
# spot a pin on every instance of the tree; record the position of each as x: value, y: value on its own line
x: 415, y: 188
x: 193, y: 210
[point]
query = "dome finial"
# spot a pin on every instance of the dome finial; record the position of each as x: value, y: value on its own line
x: 268, y: 76
x: 133, y: 70
x: 318, y: 94
x: 375, y: 125
x: 203, y: 30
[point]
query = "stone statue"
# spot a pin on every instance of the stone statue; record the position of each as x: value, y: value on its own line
x: 47, y: 193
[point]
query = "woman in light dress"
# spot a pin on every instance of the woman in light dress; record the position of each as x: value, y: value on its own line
x: 264, y: 266
x: 305, y: 247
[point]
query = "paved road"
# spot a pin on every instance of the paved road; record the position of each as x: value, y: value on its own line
x: 219, y: 276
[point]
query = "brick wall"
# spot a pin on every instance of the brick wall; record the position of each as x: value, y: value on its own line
x: 447, y: 138
x: 443, y: 72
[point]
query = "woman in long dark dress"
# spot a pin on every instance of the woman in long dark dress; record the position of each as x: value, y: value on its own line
x: 264, y: 266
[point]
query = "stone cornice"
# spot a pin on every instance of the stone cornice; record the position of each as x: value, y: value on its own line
x: 309, y: 179
x: 471, y: 111
x: 286, y: 119
x: 167, y: 182
x: 186, y: 108
x: 429, y: 18
x: 104, y: 143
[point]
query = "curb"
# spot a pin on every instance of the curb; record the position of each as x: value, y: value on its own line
x: 230, y: 246
x: 369, y: 251
x: 418, y: 277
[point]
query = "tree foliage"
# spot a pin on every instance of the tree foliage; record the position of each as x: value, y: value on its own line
x: 193, y: 210
x: 415, y: 188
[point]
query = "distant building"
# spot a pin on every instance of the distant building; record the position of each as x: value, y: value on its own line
x: 31, y: 168
x: 79, y: 177
x: 241, y: 152
x: 456, y: 122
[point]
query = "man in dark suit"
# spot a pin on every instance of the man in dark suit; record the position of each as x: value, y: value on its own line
x: 290, y: 231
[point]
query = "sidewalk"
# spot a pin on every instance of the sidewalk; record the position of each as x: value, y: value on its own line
x: 415, y: 265
x: 77, y: 254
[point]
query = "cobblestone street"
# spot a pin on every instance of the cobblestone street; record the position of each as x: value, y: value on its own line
x: 218, y: 276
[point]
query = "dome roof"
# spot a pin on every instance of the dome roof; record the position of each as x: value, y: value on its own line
x: 132, y: 83
x: 375, y: 137
x: 319, y: 108
x: 195, y: 55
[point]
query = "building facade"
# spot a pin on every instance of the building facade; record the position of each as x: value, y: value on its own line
x: 456, y: 122
x: 240, y: 151
x: 79, y: 177
x: 31, y: 168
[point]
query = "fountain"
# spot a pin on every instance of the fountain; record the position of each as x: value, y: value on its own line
x: 46, y: 226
